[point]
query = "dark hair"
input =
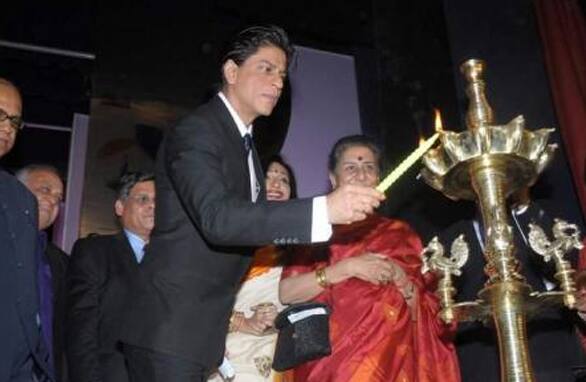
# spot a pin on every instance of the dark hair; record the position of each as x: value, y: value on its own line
x: 248, y: 41
x: 129, y: 180
x: 346, y: 142
x: 292, y: 182
x: 23, y: 173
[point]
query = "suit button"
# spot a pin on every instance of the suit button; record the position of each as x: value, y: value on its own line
x: 19, y: 264
x: 4, y: 206
x: 12, y: 235
x: 26, y: 212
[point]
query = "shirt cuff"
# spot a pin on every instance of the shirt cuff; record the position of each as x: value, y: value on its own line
x: 321, y: 229
x: 582, y: 315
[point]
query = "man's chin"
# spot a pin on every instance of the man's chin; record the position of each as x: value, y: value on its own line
x: 266, y: 110
x: 4, y: 148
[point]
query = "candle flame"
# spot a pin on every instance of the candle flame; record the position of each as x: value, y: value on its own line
x: 438, y: 121
x: 421, y: 140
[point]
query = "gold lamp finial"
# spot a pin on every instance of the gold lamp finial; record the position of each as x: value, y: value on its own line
x: 479, y: 111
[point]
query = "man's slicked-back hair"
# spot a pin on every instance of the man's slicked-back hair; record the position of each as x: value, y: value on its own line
x: 129, y: 180
x: 248, y: 41
x: 349, y: 141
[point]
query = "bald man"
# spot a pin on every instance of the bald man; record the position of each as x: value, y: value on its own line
x: 23, y: 357
x: 44, y: 181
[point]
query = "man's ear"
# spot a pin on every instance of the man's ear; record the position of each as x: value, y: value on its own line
x: 332, y: 180
x: 230, y: 71
x: 119, y: 208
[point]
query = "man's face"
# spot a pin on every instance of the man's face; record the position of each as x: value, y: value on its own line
x: 255, y: 86
x: 137, y: 211
x: 48, y: 189
x: 10, y: 103
x: 357, y: 165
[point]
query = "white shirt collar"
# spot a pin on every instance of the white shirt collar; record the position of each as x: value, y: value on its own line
x: 242, y: 128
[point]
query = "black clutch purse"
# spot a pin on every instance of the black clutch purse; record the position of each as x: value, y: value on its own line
x: 304, y: 335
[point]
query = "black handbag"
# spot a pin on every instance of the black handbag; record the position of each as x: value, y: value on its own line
x: 304, y: 335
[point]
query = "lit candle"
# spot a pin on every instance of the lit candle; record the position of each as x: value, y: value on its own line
x: 413, y: 157
x: 407, y: 163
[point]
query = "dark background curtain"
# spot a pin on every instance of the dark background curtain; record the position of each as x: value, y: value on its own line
x: 563, y: 33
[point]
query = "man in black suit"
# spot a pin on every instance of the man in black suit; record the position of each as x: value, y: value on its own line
x: 211, y: 212
x: 23, y: 355
x: 46, y: 185
x: 100, y: 272
x: 553, y: 344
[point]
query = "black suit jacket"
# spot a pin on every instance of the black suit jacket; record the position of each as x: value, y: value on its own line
x: 101, y: 269
x: 19, y: 297
x: 58, y: 261
x: 553, y: 343
x: 205, y: 230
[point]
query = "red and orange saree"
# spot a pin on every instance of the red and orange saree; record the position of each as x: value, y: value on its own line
x: 374, y: 335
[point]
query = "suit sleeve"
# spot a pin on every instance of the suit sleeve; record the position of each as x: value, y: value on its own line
x: 86, y: 277
x: 195, y: 160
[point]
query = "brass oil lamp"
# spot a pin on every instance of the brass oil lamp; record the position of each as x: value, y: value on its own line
x: 487, y: 163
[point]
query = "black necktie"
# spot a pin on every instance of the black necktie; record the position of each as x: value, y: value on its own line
x: 248, y: 145
x: 247, y: 142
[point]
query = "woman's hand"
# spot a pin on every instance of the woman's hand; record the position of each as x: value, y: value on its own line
x: 374, y: 268
x: 261, y: 321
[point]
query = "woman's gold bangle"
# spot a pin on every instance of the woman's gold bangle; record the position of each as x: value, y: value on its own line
x: 320, y: 276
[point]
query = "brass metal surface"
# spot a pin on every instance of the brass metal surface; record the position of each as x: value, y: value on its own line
x: 487, y: 163
x: 435, y: 259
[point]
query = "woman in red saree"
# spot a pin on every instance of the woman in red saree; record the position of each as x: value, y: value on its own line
x: 384, y: 324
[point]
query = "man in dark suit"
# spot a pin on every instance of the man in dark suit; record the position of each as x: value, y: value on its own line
x: 23, y: 355
x: 100, y: 272
x: 553, y: 344
x: 211, y: 211
x: 46, y: 185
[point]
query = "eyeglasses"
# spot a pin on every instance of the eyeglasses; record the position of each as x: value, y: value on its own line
x: 142, y: 200
x: 16, y: 121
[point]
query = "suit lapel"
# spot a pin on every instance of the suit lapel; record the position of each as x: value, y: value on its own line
x: 235, y: 141
x: 124, y: 250
x: 229, y: 126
